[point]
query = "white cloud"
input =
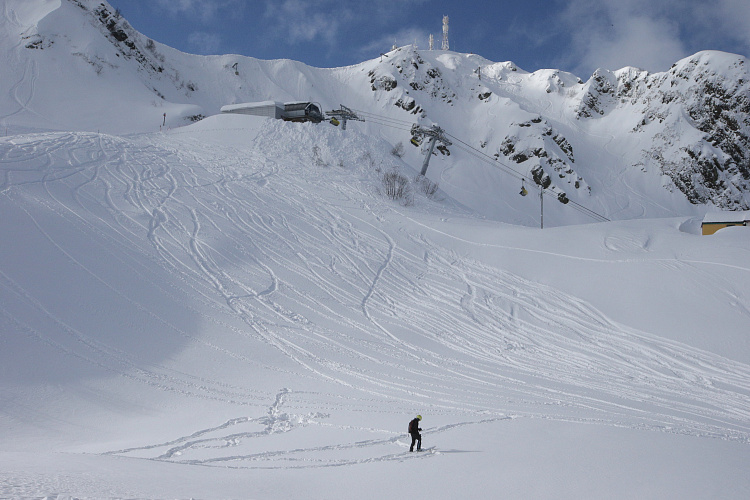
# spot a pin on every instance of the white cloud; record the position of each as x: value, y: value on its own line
x: 205, y: 10
x: 297, y: 21
x: 613, y: 34
x: 205, y: 43
x: 650, y: 34
x: 302, y: 21
x: 403, y: 37
x: 730, y: 18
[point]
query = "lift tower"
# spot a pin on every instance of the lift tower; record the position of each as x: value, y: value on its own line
x: 435, y: 134
x: 345, y: 114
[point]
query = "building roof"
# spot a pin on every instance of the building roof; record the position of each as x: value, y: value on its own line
x: 250, y: 105
x: 727, y: 217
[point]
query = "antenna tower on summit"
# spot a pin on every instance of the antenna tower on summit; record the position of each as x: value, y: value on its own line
x: 445, y: 33
x: 432, y: 42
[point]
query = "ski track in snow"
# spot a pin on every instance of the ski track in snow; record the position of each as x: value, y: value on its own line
x: 413, y: 321
x: 214, y: 445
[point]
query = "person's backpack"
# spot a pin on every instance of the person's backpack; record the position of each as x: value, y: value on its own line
x: 413, y: 426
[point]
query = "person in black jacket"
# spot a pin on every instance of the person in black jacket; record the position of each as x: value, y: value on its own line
x: 416, y: 437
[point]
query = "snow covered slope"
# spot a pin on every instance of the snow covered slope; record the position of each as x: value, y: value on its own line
x: 625, y: 144
x: 222, y: 296
x: 234, y: 309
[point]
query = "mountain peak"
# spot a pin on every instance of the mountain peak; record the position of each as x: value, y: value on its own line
x: 683, y: 133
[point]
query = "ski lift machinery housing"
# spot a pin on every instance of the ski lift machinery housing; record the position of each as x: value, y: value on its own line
x: 297, y: 111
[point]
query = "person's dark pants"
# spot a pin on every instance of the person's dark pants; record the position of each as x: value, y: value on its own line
x: 416, y: 438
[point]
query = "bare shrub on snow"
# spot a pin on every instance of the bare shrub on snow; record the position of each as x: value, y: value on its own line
x: 318, y: 160
x: 396, y: 186
x: 426, y: 186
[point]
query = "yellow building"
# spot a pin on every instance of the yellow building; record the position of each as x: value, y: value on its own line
x: 712, y: 222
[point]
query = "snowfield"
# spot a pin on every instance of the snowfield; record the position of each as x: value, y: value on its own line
x: 231, y: 309
x: 235, y: 309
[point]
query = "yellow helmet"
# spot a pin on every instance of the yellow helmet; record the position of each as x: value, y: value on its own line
x: 419, y: 417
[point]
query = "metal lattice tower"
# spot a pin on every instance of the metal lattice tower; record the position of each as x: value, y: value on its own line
x: 445, y: 33
x: 345, y: 114
x: 434, y: 134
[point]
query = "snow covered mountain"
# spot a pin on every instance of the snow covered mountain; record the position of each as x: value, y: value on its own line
x: 230, y: 306
x: 625, y: 143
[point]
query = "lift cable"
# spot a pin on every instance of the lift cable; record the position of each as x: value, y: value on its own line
x: 514, y: 173
x: 510, y: 170
x: 468, y: 148
x: 384, y: 118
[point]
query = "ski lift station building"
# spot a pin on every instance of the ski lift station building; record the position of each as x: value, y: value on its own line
x: 296, y: 111
x: 712, y: 222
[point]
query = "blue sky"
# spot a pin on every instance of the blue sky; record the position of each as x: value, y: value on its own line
x: 574, y: 35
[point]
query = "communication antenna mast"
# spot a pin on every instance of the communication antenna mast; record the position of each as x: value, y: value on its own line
x: 445, y: 33
x: 432, y: 42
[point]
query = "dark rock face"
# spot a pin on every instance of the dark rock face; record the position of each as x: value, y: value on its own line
x: 698, y: 115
